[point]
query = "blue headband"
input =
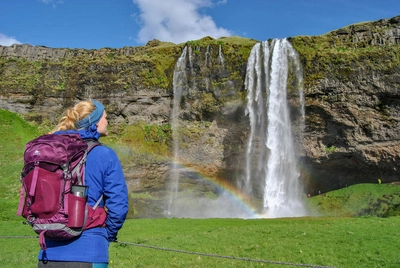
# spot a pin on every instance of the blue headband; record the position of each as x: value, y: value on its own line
x: 92, y: 118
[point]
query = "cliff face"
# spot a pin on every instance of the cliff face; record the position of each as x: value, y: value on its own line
x: 42, y: 81
x: 352, y: 94
x: 351, y: 88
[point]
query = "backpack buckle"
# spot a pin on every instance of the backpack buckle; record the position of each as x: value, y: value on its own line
x: 30, y: 218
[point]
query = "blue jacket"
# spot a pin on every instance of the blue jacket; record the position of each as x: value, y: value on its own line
x: 104, y: 176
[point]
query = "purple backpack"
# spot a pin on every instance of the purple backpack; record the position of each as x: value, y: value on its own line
x: 53, y: 163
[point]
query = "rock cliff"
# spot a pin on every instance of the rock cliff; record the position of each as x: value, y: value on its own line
x: 352, y: 93
x: 351, y: 88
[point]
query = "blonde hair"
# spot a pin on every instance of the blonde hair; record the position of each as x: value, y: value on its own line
x: 74, y: 115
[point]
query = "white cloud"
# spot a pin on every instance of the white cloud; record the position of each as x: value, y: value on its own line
x: 7, y: 40
x: 52, y: 1
x: 176, y: 21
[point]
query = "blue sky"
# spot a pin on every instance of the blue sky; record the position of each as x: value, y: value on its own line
x: 93, y: 24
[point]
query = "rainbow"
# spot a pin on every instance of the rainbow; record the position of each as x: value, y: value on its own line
x: 234, y: 195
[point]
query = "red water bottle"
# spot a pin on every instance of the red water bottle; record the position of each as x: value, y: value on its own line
x: 77, y: 206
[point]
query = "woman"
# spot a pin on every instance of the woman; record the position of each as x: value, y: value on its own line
x: 104, y: 176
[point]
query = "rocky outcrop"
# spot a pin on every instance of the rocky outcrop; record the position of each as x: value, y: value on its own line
x: 351, y: 87
x: 38, y: 53
x: 383, y: 32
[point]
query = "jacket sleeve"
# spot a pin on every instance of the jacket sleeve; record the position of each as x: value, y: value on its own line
x: 114, y: 189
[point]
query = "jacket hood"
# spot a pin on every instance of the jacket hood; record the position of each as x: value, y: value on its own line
x: 85, y: 133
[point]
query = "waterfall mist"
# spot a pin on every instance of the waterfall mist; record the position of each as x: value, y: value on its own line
x: 188, y: 204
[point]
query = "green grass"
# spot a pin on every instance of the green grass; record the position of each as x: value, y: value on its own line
x: 14, y: 133
x: 339, y: 237
x: 367, y: 199
x: 319, y: 241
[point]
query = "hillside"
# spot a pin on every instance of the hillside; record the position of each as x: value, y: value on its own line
x: 381, y: 200
x: 15, y: 133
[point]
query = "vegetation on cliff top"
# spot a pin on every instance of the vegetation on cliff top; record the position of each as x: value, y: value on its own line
x: 150, y: 66
x: 341, y: 54
x: 349, y: 47
x: 346, y: 51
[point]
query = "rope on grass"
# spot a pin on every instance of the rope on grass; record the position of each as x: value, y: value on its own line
x: 202, y: 254
x: 224, y: 257
x: 19, y: 236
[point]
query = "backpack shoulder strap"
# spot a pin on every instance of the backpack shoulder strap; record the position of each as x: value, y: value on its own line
x: 79, y: 169
x: 91, y: 144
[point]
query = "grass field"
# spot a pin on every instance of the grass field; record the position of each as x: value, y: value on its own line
x: 289, y: 242
x: 358, y: 227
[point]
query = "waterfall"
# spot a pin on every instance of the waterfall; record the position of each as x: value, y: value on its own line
x: 179, y: 83
x: 208, y: 61
x: 271, y: 163
x: 181, y: 62
x: 221, y: 59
